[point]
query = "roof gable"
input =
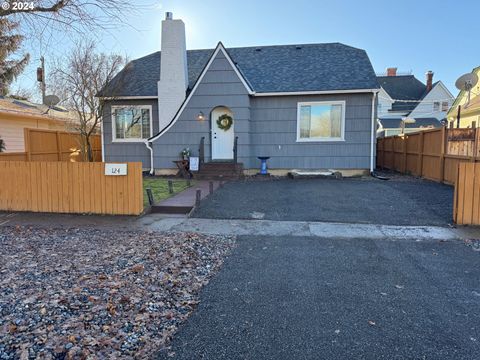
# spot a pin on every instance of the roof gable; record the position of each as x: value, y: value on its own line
x: 219, y: 49
x: 403, y: 87
x: 283, y: 68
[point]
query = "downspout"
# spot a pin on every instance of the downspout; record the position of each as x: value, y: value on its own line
x: 149, y: 147
x: 373, y: 135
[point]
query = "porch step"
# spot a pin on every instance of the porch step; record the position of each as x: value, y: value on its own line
x: 220, y: 170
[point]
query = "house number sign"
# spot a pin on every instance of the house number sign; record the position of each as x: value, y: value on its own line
x: 115, y: 169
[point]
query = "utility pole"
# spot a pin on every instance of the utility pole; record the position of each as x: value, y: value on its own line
x: 41, y: 78
x: 458, y: 115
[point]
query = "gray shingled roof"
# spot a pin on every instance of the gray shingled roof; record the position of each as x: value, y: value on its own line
x: 396, y: 123
x: 283, y: 68
x: 403, y: 87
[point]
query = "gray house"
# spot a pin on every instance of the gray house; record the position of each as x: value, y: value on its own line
x: 305, y: 106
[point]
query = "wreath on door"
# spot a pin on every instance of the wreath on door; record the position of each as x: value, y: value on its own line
x: 224, y: 122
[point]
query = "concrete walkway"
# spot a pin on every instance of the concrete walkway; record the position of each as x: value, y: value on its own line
x: 306, y: 229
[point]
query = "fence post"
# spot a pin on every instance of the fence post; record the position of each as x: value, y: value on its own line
x: 405, y: 139
x: 151, y: 201
x: 26, y: 140
x: 474, y: 127
x: 198, y: 197
x: 59, y: 151
x: 442, y: 154
x: 383, y: 153
x: 170, y: 186
x: 420, y: 155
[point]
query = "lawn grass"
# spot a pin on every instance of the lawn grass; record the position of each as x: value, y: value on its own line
x: 159, y: 188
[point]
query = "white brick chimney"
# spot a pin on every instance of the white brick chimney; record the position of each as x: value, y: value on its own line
x: 174, y: 73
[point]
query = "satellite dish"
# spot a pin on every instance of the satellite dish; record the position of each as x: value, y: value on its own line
x: 51, y: 100
x: 467, y: 82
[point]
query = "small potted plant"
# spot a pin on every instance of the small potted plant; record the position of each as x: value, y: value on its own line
x: 185, y: 153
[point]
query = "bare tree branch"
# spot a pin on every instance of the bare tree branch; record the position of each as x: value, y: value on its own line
x: 78, y: 80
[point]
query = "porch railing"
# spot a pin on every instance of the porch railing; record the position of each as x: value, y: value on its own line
x: 201, y: 151
x: 235, y: 149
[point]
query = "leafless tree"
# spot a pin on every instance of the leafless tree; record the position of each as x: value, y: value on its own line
x: 78, y: 80
x: 39, y: 21
x: 21, y: 93
x: 69, y: 14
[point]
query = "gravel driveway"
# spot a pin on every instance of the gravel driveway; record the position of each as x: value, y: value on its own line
x: 312, y: 298
x: 400, y: 201
x: 98, y: 294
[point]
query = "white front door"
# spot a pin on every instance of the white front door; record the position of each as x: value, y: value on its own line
x: 222, y: 140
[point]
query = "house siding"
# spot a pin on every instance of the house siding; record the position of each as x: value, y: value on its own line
x: 265, y: 126
x: 219, y: 87
x: 274, y: 134
x: 125, y: 151
x: 426, y: 108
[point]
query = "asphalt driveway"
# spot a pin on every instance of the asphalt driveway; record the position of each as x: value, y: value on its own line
x: 400, y: 201
x: 311, y: 298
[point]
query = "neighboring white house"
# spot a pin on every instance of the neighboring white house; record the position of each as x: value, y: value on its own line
x: 405, y: 104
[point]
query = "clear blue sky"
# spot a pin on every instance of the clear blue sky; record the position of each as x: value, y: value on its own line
x: 412, y: 35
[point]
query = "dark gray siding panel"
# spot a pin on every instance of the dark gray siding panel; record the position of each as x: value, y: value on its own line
x: 219, y: 87
x: 274, y: 125
x: 119, y: 152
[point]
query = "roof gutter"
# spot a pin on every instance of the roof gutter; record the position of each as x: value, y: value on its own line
x: 321, y: 92
x: 146, y: 97
x: 373, y: 135
x: 23, y: 116
x: 253, y: 93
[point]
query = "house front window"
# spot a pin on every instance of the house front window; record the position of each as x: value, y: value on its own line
x: 436, y: 106
x: 445, y: 106
x: 321, y: 121
x: 132, y: 123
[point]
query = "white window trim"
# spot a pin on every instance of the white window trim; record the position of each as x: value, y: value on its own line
x: 114, y: 125
x: 322, y: 139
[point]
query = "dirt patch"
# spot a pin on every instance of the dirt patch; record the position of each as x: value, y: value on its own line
x: 89, y: 293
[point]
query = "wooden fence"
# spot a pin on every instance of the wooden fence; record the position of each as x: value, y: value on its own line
x: 466, y: 205
x: 433, y: 154
x: 69, y: 187
x: 50, y: 145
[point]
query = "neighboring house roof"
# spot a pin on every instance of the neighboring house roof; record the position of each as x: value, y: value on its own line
x: 282, y: 68
x: 396, y: 123
x: 403, y: 87
x: 29, y: 109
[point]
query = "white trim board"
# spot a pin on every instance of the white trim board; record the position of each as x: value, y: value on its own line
x: 321, y: 92
x: 146, y: 97
x: 219, y: 48
x: 114, y: 132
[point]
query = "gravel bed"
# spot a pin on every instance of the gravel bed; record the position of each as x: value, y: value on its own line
x: 95, y: 294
